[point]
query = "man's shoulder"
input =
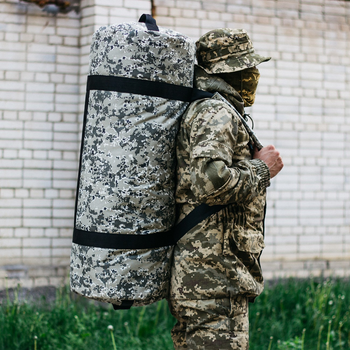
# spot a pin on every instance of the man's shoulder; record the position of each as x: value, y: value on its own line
x: 209, y: 103
x: 207, y: 106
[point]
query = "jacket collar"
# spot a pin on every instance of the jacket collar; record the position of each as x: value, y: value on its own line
x: 213, y: 83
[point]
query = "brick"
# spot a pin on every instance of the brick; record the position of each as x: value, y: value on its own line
x: 62, y: 222
x: 71, y: 118
x: 38, y: 135
x: 66, y: 232
x: 66, y: 137
x: 10, y: 173
x: 64, y: 193
x: 21, y: 232
x: 51, y: 232
x: 40, y: 282
x: 11, y: 163
x: 37, y: 144
x: 64, y: 98
x: 37, y: 183
x: 54, y: 117
x: 38, y: 164
x: 63, y: 213
x: 38, y: 213
x: 41, y: 57
x: 64, y: 174
x: 10, y: 242
x: 10, y: 203
x: 70, y: 156
x: 9, y: 153
x: 55, y: 155
x: 40, y: 87
x: 10, y: 222
x: 40, y: 271
x: 64, y: 108
x: 36, y: 222
x: 37, y: 242
x: 64, y: 184
x: 40, y: 154
x: 62, y: 242
x: 64, y: 261
x: 35, y: 173
x: 36, y: 232
x: 36, y: 193
x: 36, y: 202
x: 210, y: 24
x: 183, y: 22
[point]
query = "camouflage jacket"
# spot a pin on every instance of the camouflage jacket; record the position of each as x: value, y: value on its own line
x: 220, y: 255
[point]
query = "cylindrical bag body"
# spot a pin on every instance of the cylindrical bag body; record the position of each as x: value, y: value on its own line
x: 126, y: 181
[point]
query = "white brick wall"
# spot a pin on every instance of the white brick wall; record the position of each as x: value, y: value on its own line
x: 39, y: 95
x: 302, y: 107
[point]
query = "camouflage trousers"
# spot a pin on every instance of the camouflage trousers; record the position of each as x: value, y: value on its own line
x: 220, y: 324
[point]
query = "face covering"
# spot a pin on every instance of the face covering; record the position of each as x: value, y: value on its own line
x: 245, y: 82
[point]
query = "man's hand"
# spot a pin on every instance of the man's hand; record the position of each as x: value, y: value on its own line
x: 271, y: 157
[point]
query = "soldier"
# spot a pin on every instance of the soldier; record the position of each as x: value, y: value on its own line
x: 216, y: 269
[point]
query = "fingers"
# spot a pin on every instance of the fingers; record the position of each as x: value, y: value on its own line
x: 271, y: 157
x: 277, y: 167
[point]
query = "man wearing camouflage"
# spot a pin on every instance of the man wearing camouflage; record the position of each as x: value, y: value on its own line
x: 216, y: 269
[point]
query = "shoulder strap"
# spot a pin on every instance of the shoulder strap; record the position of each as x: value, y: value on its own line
x: 155, y: 240
x: 145, y: 87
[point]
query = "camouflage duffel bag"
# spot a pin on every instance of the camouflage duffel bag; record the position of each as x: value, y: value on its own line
x: 139, y: 85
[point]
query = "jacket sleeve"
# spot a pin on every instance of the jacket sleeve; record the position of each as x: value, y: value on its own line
x: 221, y: 170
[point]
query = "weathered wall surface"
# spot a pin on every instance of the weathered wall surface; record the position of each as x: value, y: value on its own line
x: 39, y: 98
x: 302, y: 107
x: 43, y: 66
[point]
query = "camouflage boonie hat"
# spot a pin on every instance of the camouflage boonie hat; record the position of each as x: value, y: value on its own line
x: 227, y: 50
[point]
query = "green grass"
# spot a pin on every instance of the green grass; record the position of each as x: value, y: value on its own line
x: 292, y: 314
x: 304, y: 315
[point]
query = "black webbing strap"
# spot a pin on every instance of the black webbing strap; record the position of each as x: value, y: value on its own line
x: 149, y: 21
x: 155, y: 240
x: 145, y: 87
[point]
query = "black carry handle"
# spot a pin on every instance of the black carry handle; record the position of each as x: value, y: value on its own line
x: 150, y: 22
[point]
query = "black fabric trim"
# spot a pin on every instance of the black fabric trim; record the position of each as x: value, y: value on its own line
x: 125, y: 305
x: 145, y: 87
x: 87, y: 95
x: 150, y: 22
x: 155, y: 240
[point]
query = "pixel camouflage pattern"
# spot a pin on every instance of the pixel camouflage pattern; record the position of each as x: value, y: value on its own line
x: 126, y: 183
x: 216, y: 264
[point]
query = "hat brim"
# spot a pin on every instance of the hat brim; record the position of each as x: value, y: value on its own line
x: 235, y: 64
